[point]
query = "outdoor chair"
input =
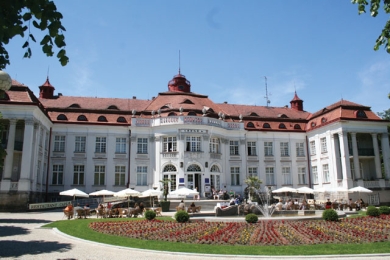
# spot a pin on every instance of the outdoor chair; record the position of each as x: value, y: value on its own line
x: 81, y: 213
x: 135, y: 212
x: 68, y: 214
x: 100, y: 213
x: 158, y: 211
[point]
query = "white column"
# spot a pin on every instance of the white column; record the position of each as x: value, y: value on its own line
x: 356, y: 164
x: 344, y: 154
x: 27, y: 156
x: 386, y: 153
x: 10, y: 150
x: 377, y: 156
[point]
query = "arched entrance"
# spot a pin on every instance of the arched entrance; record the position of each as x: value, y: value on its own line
x: 194, y: 177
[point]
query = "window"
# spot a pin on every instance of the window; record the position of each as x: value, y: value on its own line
x: 59, y: 143
x: 286, y: 173
x: 78, y: 175
x: 268, y: 149
x: 282, y: 126
x: 266, y: 125
x: 252, y: 171
x: 301, y: 175
x: 193, y: 168
x: 80, y: 142
x: 142, y: 145
x: 120, y: 175
x: 100, y: 172
x: 252, y: 149
x: 82, y: 118
x: 315, y: 174
x: 284, y: 149
x: 300, y: 149
x: 215, y: 181
x: 120, y: 145
x: 193, y: 143
x: 100, y: 145
x: 169, y: 144
x: 324, y: 148
x: 234, y: 148
x: 312, y: 148
x: 325, y: 172
x: 58, y: 174
x: 102, y: 119
x: 235, y: 175
x: 172, y: 183
x: 121, y: 119
x: 214, y: 168
x: 142, y: 175
x: 62, y: 117
x: 269, y: 176
x: 214, y: 145
x: 250, y: 125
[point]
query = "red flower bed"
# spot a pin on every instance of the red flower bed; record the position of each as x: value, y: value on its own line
x: 271, y: 232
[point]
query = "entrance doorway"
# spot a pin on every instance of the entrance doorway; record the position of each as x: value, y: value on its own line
x: 194, y: 180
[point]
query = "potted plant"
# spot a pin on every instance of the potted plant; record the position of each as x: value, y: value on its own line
x: 165, y: 204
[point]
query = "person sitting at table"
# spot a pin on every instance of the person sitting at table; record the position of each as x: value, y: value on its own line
x: 182, y: 206
x: 191, y: 208
x: 141, y: 206
x: 69, y: 210
x: 328, y: 204
x: 232, y: 202
x: 304, y: 205
x: 279, y: 205
x: 358, y: 206
x: 362, y: 205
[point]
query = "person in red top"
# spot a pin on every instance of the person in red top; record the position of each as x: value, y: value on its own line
x: 328, y: 204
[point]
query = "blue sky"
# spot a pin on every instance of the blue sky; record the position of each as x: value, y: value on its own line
x: 321, y: 49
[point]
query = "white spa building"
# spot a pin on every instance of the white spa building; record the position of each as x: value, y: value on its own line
x: 56, y: 142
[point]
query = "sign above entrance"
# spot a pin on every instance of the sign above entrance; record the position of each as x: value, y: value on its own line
x: 195, y: 131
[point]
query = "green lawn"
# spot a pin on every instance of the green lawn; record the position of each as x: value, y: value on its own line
x: 79, y: 228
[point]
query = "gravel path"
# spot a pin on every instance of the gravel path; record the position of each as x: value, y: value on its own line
x: 21, y: 237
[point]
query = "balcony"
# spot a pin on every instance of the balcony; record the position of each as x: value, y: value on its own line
x: 170, y: 155
x: 363, y: 152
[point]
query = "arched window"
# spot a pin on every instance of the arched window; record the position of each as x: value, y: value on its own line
x: 62, y: 117
x: 172, y: 114
x: 102, y: 119
x: 253, y: 114
x: 250, y: 125
x: 75, y: 105
x: 266, y: 125
x: 361, y: 114
x: 82, y: 118
x: 282, y: 116
x: 296, y: 126
x: 121, y: 119
x: 323, y: 120
x: 282, y: 126
x: 164, y: 107
x: 187, y: 101
x: 169, y: 168
x: 193, y: 168
x: 214, y: 168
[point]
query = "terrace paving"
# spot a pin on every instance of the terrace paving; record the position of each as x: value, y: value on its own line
x: 21, y: 237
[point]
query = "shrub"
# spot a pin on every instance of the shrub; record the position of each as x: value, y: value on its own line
x: 182, y: 216
x: 251, y: 218
x: 385, y: 210
x: 150, y: 214
x: 372, y: 211
x: 330, y: 215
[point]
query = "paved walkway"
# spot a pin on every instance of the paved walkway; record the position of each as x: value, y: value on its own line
x: 21, y: 237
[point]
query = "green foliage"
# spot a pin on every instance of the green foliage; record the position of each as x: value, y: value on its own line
x: 384, y: 37
x: 150, y: 214
x: 17, y: 17
x: 182, y: 216
x: 385, y: 210
x: 372, y: 211
x: 251, y: 218
x: 165, y: 189
x: 253, y: 183
x: 330, y: 215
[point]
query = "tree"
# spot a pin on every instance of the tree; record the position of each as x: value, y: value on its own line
x: 165, y: 183
x: 384, y: 37
x: 253, y: 183
x: 17, y: 18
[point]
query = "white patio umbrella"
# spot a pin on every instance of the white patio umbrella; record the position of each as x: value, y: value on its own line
x: 305, y: 190
x: 184, y: 192
x: 150, y: 193
x: 360, y: 190
x: 284, y: 189
x: 102, y: 193
x: 74, y: 193
x: 127, y: 193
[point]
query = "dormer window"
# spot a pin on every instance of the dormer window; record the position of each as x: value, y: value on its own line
x: 266, y: 125
x: 323, y: 120
x: 361, y: 114
x: 121, y: 119
x: 282, y: 116
x: 172, y: 114
x: 253, y: 114
x: 62, y: 117
x: 282, y: 126
x: 102, y: 119
x: 191, y: 113
x: 74, y: 106
x: 313, y: 124
x: 296, y: 126
x: 250, y: 125
x: 113, y: 107
x: 82, y: 118
x: 187, y: 101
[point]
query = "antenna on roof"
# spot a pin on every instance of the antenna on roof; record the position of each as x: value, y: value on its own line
x: 179, y: 61
x: 48, y: 69
x: 266, y: 92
